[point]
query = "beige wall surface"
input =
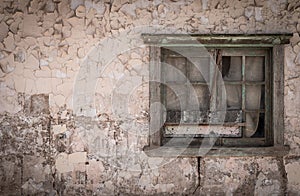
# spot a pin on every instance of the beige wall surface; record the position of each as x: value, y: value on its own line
x: 74, y: 98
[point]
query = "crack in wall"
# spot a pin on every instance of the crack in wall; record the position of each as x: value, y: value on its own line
x: 22, y: 175
x: 283, y: 174
x: 199, y: 175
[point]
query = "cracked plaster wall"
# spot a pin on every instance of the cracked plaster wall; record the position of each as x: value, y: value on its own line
x: 65, y: 127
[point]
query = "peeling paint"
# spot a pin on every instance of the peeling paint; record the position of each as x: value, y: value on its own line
x: 50, y: 147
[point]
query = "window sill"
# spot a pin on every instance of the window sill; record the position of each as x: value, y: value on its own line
x: 162, y: 151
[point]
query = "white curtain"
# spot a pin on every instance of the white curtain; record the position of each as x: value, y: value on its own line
x: 254, y: 72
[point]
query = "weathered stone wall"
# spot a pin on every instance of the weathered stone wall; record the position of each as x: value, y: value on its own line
x: 74, y: 98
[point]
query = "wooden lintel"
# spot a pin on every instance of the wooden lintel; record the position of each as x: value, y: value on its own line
x: 217, y: 40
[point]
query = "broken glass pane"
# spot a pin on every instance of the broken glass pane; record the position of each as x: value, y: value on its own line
x: 261, y: 125
x: 262, y: 100
x: 232, y: 68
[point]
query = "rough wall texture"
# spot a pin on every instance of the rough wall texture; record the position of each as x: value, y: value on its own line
x: 65, y: 126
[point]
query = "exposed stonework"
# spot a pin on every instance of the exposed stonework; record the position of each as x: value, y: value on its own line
x: 242, y: 176
x: 292, y: 166
x: 74, y: 98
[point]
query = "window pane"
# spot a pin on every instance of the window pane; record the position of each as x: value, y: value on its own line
x: 194, y: 116
x: 199, y: 69
x: 173, y: 116
x: 175, y: 69
x: 199, y: 97
x: 234, y: 96
x: 175, y: 97
x: 197, y: 107
x: 255, y: 68
x: 262, y: 100
x: 252, y: 119
x: 254, y: 95
x: 232, y: 68
x: 185, y: 116
x: 233, y: 116
x: 261, y: 126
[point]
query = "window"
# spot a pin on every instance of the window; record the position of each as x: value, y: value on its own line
x: 194, y: 88
x: 226, y: 93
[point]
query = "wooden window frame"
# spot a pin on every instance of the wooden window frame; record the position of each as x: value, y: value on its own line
x: 276, y: 86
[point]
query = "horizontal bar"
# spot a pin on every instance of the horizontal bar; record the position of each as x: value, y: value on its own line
x: 199, y: 83
x: 207, y: 83
x: 155, y: 151
x: 225, y: 124
x: 204, y: 130
x: 245, y: 52
x: 243, y: 142
x: 229, y: 40
x: 186, y: 83
x: 258, y: 110
x: 244, y: 82
x: 215, y: 45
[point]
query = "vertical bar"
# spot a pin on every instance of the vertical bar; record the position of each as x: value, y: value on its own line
x: 186, y: 81
x: 155, y: 96
x: 278, y: 94
x: 243, y: 92
x: 163, y: 55
x: 212, y: 81
x: 267, y: 128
